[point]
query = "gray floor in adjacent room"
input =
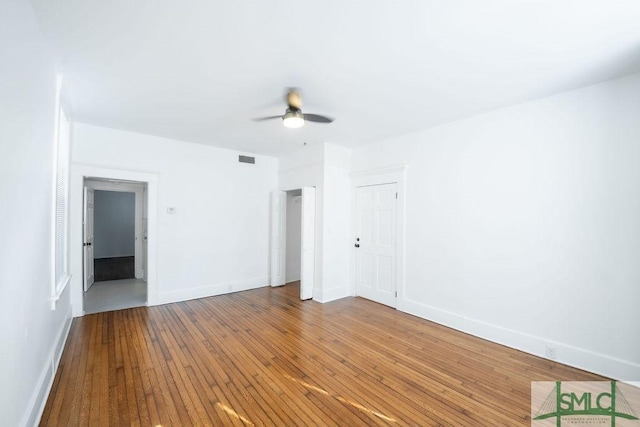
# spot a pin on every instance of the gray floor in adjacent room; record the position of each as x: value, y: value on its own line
x: 115, y: 295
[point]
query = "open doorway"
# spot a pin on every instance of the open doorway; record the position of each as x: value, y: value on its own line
x: 114, y: 229
x: 293, y: 239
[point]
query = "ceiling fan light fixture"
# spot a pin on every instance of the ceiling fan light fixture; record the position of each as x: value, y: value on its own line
x: 293, y: 120
x: 293, y: 117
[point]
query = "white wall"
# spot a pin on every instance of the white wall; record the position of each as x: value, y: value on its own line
x: 294, y: 235
x: 32, y: 334
x: 337, y: 222
x: 326, y: 167
x: 114, y: 224
x: 523, y: 224
x: 218, y: 239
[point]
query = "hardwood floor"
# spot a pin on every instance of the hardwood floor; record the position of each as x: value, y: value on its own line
x: 263, y: 357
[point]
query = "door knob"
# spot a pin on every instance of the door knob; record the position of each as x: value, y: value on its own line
x: 357, y: 245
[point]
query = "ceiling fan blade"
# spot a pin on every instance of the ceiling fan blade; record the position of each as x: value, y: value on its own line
x: 317, y: 118
x: 260, y: 119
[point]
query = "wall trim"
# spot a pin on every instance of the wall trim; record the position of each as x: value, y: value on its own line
x: 79, y: 171
x: 328, y: 295
x: 210, y: 290
x: 45, y: 380
x: 577, y: 357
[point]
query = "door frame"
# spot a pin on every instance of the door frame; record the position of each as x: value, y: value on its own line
x: 279, y: 224
x: 389, y: 175
x: 137, y: 189
x: 79, y: 172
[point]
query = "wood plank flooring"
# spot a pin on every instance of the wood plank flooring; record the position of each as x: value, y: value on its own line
x: 118, y: 268
x: 263, y: 357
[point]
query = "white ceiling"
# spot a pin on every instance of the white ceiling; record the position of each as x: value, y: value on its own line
x: 199, y: 70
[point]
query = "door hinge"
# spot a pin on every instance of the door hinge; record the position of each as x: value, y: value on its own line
x: 396, y: 195
x: 396, y: 294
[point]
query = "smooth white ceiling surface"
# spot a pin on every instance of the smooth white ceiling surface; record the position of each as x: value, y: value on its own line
x: 199, y: 70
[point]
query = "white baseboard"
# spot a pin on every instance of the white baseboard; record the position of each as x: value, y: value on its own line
x: 581, y: 358
x: 45, y: 380
x: 328, y: 295
x: 291, y: 276
x: 210, y: 290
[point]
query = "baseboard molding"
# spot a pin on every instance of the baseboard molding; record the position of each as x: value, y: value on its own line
x: 45, y: 380
x: 581, y: 358
x: 291, y: 277
x: 210, y: 290
x: 114, y: 256
x: 328, y: 295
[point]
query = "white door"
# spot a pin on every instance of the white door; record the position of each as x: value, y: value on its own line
x: 308, y: 254
x: 138, y: 259
x: 278, y: 223
x: 375, y: 243
x: 88, y: 238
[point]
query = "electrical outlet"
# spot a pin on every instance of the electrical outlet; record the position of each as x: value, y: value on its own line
x: 552, y: 352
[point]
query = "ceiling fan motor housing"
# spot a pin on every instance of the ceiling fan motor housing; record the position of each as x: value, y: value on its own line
x: 293, y: 118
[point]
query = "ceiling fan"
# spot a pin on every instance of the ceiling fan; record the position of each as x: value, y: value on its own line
x: 293, y: 116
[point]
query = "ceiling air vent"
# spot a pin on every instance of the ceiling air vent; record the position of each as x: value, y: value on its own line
x: 247, y: 159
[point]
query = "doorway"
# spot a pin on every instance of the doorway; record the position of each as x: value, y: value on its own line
x: 113, y: 235
x: 113, y: 246
x: 293, y: 239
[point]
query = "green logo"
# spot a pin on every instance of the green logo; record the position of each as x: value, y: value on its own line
x: 584, y: 403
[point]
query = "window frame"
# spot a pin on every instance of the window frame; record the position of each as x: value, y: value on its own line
x: 61, y: 176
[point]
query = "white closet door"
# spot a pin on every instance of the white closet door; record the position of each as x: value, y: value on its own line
x: 308, y: 254
x: 278, y: 223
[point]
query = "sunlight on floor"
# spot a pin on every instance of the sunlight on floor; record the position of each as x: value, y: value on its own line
x: 341, y: 399
x: 233, y: 413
